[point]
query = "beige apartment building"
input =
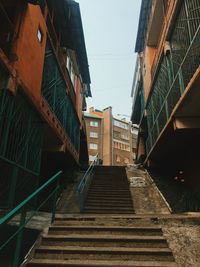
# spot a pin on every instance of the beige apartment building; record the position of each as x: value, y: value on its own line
x: 109, y: 137
x: 94, y: 129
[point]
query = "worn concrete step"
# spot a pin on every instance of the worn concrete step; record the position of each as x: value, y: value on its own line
x: 103, y: 253
x: 109, y: 180
x: 83, y: 217
x: 105, y: 208
x: 96, y: 202
x: 107, y: 197
x: 109, y: 188
x: 110, y: 191
x: 135, y: 230
x: 113, y: 194
x: 113, y: 207
x: 105, y: 241
x: 106, y: 184
x: 111, y: 211
x: 98, y: 263
x: 117, y: 221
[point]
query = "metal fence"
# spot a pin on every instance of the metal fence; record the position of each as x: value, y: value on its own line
x: 176, y: 69
x: 21, y: 139
x: 21, y: 132
x: 55, y: 93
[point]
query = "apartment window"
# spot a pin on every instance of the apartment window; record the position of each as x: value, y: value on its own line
x: 116, y: 134
x: 125, y: 136
x: 94, y: 123
x: 40, y: 35
x: 121, y: 124
x: 71, y: 72
x: 93, y: 146
x: 93, y: 135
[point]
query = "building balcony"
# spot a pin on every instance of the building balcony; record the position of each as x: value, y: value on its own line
x: 156, y: 21
x: 177, y: 73
x: 55, y: 94
x: 7, y: 27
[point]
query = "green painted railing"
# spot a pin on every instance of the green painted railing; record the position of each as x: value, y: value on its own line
x: 22, y: 210
x: 85, y: 182
x: 175, y: 71
x: 21, y: 132
x: 55, y: 93
x: 21, y: 140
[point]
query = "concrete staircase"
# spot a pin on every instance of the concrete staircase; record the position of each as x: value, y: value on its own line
x: 109, y: 192
x: 103, y: 241
x: 113, y: 236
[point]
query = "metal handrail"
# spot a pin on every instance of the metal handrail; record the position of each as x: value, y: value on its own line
x: 23, y: 221
x: 85, y: 182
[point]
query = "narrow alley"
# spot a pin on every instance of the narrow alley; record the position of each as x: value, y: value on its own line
x: 99, y: 133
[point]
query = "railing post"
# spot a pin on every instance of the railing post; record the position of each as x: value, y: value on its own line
x: 55, y: 200
x: 13, y: 187
x: 16, y: 260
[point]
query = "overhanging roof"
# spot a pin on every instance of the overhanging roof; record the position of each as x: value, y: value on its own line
x: 68, y: 18
x: 142, y: 26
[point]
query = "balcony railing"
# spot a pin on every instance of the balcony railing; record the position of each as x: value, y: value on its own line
x: 7, y: 30
x: 21, y: 140
x: 21, y: 132
x: 55, y: 93
x: 176, y: 69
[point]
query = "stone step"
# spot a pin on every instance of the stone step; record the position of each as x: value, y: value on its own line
x: 105, y: 241
x: 112, y: 221
x: 109, y: 207
x: 110, y: 191
x: 107, y: 197
x: 104, y: 183
x: 113, y: 194
x: 109, y: 188
x: 125, y: 201
x: 98, y: 263
x: 111, y: 212
x: 103, y: 253
x: 112, y: 203
x: 136, y: 230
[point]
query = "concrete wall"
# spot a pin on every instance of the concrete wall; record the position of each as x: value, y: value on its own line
x: 98, y: 141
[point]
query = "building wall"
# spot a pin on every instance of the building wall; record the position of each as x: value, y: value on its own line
x: 122, y: 144
x: 116, y: 141
x: 107, y: 137
x: 94, y: 140
x: 30, y: 51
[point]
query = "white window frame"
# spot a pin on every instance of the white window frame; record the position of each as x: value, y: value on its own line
x: 94, y: 123
x: 93, y: 146
x: 94, y: 135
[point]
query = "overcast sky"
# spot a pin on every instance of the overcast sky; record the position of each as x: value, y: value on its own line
x: 110, y: 28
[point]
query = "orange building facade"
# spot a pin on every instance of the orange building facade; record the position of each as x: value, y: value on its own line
x: 166, y: 83
x: 44, y: 83
x: 109, y: 137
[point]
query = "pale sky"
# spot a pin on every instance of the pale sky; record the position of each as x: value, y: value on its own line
x: 110, y: 29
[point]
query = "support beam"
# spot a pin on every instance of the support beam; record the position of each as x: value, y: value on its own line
x: 181, y: 123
